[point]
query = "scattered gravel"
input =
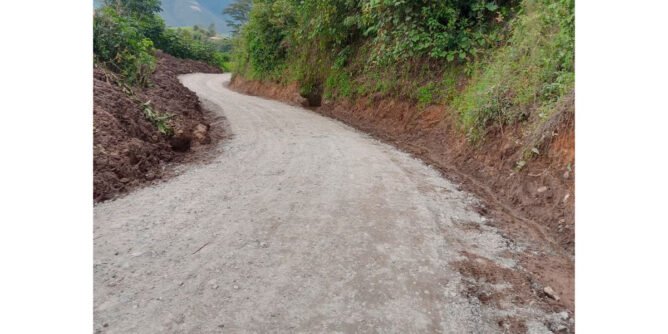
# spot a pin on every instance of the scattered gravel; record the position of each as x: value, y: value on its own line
x: 362, y: 236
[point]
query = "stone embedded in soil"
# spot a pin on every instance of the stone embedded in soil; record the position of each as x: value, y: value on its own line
x: 541, y: 189
x: 566, y: 197
x: 302, y: 101
x: 557, y: 327
x: 550, y: 293
x: 200, y: 133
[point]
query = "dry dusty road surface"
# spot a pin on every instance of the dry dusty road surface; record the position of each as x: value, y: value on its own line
x: 300, y: 224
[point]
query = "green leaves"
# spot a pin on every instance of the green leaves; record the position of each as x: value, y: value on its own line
x: 161, y: 121
x: 237, y: 12
x: 125, y: 34
x: 120, y: 45
x: 444, y: 30
x: 426, y: 95
x: 183, y: 44
x: 527, y: 75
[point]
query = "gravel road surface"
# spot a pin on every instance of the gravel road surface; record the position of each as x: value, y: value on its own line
x: 300, y: 224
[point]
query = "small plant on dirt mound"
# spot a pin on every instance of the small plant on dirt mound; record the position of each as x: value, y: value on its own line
x: 161, y: 121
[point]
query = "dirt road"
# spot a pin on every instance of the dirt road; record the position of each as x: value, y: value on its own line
x: 300, y: 224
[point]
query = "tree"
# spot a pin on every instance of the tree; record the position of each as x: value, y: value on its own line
x: 237, y: 12
x: 212, y: 30
x: 139, y: 8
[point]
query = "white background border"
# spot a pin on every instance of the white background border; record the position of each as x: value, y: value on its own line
x: 46, y: 168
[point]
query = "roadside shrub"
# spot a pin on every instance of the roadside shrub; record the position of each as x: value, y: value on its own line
x: 314, y: 33
x: 446, y: 30
x: 311, y: 32
x: 263, y: 38
x: 151, y: 26
x: 530, y: 73
x: 118, y: 43
x: 180, y: 43
x: 339, y: 83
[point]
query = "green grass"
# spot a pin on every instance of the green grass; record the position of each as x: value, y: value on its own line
x: 339, y: 84
x: 228, y: 66
x: 527, y: 75
x: 426, y: 95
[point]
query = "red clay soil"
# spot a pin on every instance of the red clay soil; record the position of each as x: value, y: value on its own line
x: 533, y: 206
x: 128, y: 149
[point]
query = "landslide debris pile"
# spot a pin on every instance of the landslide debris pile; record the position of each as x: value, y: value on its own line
x: 138, y: 131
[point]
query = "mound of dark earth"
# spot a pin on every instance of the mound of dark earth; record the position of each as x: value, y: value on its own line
x: 129, y: 151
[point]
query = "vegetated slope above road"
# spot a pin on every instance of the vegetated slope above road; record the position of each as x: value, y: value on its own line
x: 305, y: 225
x: 481, y: 88
x: 129, y: 149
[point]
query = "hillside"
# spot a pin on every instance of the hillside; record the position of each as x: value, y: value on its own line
x: 484, y: 91
x: 181, y: 13
x: 185, y: 13
x: 489, y: 86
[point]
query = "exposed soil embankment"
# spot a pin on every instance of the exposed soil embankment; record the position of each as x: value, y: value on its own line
x: 533, y: 205
x: 129, y: 151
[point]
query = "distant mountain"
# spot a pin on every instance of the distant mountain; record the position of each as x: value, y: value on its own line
x: 179, y: 13
x: 182, y: 13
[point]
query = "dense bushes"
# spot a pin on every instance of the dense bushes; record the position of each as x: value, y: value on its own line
x: 259, y: 49
x: 528, y: 75
x: 513, y: 58
x: 394, y: 30
x: 180, y: 43
x: 119, y: 44
x: 126, y: 32
x: 446, y: 30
